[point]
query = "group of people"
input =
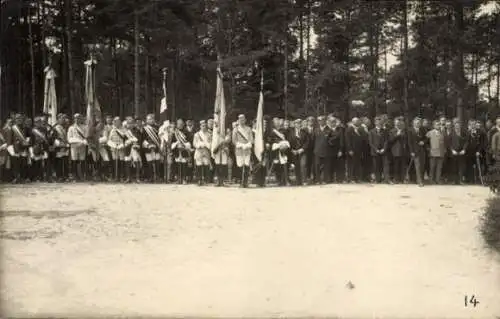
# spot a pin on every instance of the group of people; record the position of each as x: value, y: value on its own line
x: 318, y: 150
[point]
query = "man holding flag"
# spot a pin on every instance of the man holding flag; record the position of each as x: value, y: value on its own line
x: 220, y: 140
x: 243, y: 141
x: 259, y: 138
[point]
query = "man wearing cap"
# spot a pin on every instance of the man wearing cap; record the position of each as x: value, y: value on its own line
x: 337, y: 144
x: 202, y: 142
x: 117, y: 143
x: 61, y: 148
x: 322, y: 151
x: 151, y: 147
x: 356, y: 140
x: 18, y: 142
x: 190, y: 131
x: 378, y: 138
x: 181, y: 146
x: 309, y: 129
x: 243, y: 141
x: 398, y: 147
x: 221, y: 153
x: 211, y: 172
x: 299, y: 141
x: 78, y: 142
x: 417, y: 143
x: 39, y: 150
x: 280, y: 148
x: 458, y: 145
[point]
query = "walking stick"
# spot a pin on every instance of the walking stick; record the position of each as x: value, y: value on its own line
x: 116, y: 165
x: 154, y: 170
x: 407, y: 175
x: 165, y: 167
x: 478, y: 164
x: 242, y: 175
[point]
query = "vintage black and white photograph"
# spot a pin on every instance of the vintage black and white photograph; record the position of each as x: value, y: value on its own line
x: 250, y: 158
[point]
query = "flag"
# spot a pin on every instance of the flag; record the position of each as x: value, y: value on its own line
x: 219, y: 113
x: 163, y: 103
x: 93, y: 107
x: 50, y: 98
x: 258, y: 147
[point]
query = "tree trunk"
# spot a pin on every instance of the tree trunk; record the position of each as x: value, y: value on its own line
x: 489, y: 81
x: 137, y: 92
x: 498, y: 83
x: 405, y: 62
x: 32, y: 60
x: 147, y: 84
x: 69, y: 56
x: 371, y: 63
x: 459, y: 59
x: 285, y: 77
x: 308, y: 57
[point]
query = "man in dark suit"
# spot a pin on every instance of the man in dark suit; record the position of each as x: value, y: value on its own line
x: 398, y: 146
x: 417, y: 144
x: 356, y: 140
x: 322, y: 151
x: 476, y: 153
x: 309, y: 151
x: 299, y: 142
x: 337, y: 145
x: 458, y: 144
x: 378, y: 142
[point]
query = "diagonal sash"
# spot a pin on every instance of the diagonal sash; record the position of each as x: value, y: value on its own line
x: 278, y: 133
x: 80, y: 132
x: 180, y: 136
x: 123, y: 138
x: 203, y: 137
x: 19, y: 134
x: 62, y: 134
x: 151, y: 132
x: 243, y: 135
x: 2, y: 138
x: 40, y: 135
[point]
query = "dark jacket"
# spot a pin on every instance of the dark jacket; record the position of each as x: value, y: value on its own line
x: 356, y: 141
x: 415, y: 138
x: 300, y: 141
x: 377, y: 140
x: 322, y: 147
x: 398, y: 144
x: 458, y: 142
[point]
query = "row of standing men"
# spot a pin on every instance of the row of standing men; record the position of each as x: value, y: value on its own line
x: 312, y: 150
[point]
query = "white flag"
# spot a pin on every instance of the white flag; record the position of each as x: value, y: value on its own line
x: 219, y: 113
x: 258, y: 147
x: 50, y: 98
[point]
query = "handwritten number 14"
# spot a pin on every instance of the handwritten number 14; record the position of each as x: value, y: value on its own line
x: 471, y: 301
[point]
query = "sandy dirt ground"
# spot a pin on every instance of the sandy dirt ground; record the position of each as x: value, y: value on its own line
x: 137, y: 250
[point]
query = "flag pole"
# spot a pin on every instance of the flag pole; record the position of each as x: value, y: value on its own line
x: 165, y: 169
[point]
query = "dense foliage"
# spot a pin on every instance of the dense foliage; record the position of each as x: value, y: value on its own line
x: 317, y: 56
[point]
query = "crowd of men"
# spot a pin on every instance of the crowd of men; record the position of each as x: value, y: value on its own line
x: 318, y: 150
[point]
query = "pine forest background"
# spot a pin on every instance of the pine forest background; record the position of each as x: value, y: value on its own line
x: 317, y: 56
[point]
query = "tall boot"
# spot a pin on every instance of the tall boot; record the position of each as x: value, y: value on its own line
x: 121, y: 171
x: 245, y: 176
x: 58, y: 168
x: 78, y: 170
x: 16, y: 169
x: 278, y: 170
x: 285, y: 175
x: 199, y: 172
x: 207, y: 175
x: 218, y: 171
x: 128, y: 169
x: 137, y: 172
